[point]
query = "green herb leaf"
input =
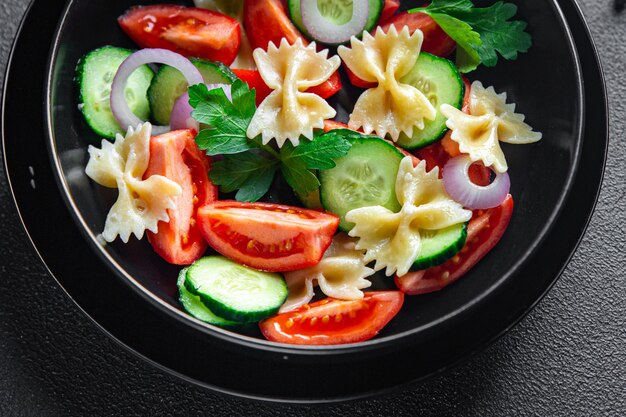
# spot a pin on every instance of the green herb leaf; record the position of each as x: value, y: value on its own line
x: 248, y: 172
x: 480, y: 33
x: 321, y: 152
x: 296, y: 172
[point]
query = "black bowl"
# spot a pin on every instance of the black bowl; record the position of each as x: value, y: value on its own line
x: 130, y: 291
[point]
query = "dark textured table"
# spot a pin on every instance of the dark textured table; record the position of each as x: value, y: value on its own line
x: 568, y: 357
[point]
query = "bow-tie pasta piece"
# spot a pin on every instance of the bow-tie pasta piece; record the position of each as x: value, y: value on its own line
x: 141, y: 204
x: 394, y: 240
x: 340, y: 274
x: 490, y: 121
x: 289, y: 112
x: 391, y: 107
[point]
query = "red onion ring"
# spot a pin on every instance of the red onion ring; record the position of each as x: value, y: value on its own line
x: 326, y: 32
x: 460, y: 187
x: 121, y: 111
x: 181, y: 112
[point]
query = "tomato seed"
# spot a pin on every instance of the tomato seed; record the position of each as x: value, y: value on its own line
x: 338, y: 318
x: 289, y: 323
x: 456, y: 259
x: 251, y: 244
x: 288, y: 245
x: 326, y: 319
x: 445, y: 275
x: 313, y: 321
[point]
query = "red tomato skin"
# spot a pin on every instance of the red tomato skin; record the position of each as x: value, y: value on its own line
x: 356, y: 81
x: 370, y: 315
x: 389, y: 9
x: 436, y: 41
x: 176, y: 156
x: 254, y: 80
x: 169, y: 26
x: 256, y: 234
x: 483, y: 233
x: 267, y: 21
x: 450, y: 146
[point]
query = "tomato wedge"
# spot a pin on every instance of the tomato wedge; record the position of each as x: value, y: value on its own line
x: 334, y: 322
x: 176, y: 156
x: 268, y: 237
x: 483, y: 233
x: 189, y: 31
x: 254, y: 81
x: 436, y: 41
x: 267, y: 21
x: 389, y: 9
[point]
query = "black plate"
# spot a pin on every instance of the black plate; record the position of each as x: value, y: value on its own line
x: 129, y: 292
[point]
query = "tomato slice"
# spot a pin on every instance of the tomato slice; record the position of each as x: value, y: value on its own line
x: 267, y: 21
x: 483, y: 233
x: 389, y: 9
x: 334, y: 322
x: 176, y: 156
x: 436, y: 41
x: 268, y: 237
x: 254, y: 81
x: 189, y: 31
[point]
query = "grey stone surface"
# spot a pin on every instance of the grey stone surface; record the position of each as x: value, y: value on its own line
x: 567, y: 358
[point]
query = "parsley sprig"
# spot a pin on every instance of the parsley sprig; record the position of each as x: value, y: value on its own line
x: 248, y: 166
x: 481, y: 33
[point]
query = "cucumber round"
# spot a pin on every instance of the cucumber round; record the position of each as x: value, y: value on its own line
x: 440, y: 245
x: 337, y: 12
x: 192, y: 305
x: 365, y: 176
x: 94, y: 76
x: 169, y: 84
x: 441, y: 82
x: 234, y: 291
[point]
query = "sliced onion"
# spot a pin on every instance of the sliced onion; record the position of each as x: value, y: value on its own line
x: 460, y: 187
x: 122, y: 112
x: 181, y: 112
x: 321, y: 29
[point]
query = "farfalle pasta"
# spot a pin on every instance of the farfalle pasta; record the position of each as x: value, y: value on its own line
x: 391, y: 107
x: 340, y: 274
x: 289, y: 112
x: 141, y: 204
x: 393, y: 240
x: 490, y: 121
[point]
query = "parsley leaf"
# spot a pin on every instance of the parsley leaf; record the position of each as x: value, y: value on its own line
x: 248, y: 172
x: 228, y: 121
x: 480, y: 33
x: 321, y: 152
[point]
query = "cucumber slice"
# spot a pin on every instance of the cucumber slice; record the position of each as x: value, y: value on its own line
x: 169, y: 84
x: 192, y: 305
x: 234, y: 291
x: 94, y: 75
x: 440, y: 80
x: 365, y: 176
x: 338, y: 12
x: 440, y: 245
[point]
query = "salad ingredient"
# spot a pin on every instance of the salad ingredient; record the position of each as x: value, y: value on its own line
x: 334, y: 322
x: 193, y: 305
x: 396, y: 240
x: 340, y: 274
x: 191, y: 32
x: 461, y: 188
x: 390, y: 7
x: 437, y: 246
x: 288, y: 112
x: 483, y: 232
x: 490, y: 121
x: 364, y: 177
x: 181, y: 117
x: 235, y: 292
x: 255, y: 82
x: 119, y: 105
x: 249, y: 166
x: 391, y: 107
x: 141, y: 204
x: 268, y: 237
x: 266, y: 21
x: 227, y: 7
x: 94, y: 77
x: 436, y: 41
x: 440, y: 81
x: 169, y: 84
x: 480, y: 32
x: 334, y: 22
x: 175, y: 155
x: 311, y: 200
